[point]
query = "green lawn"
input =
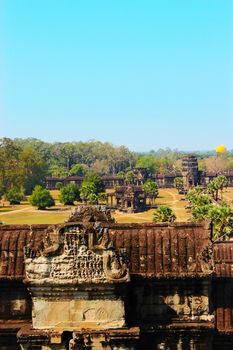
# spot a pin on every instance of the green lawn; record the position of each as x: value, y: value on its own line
x: 26, y: 214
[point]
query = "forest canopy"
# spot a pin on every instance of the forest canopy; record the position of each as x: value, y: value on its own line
x: 24, y: 163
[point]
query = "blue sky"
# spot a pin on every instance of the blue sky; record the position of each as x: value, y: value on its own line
x: 147, y: 74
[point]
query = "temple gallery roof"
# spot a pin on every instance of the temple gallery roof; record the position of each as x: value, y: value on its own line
x: 153, y: 250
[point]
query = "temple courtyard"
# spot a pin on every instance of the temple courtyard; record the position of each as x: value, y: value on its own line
x: 26, y: 214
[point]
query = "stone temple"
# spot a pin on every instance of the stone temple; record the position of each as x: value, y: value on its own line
x: 91, y: 283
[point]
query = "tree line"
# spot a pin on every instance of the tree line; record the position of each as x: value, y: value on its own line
x: 24, y: 163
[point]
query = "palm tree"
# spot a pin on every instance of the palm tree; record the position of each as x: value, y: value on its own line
x: 151, y: 189
x: 222, y: 182
x: 222, y: 219
x: 164, y: 214
x: 179, y: 183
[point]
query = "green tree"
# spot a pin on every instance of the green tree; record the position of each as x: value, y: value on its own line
x: 34, y: 168
x: 216, y: 185
x: 68, y: 154
x: 221, y: 183
x: 41, y: 198
x: 56, y: 170
x: 129, y: 177
x: 212, y: 190
x: 151, y: 189
x: 14, y: 195
x: 93, y: 198
x: 179, y: 183
x: 222, y: 219
x: 1, y: 192
x: 87, y: 190
x: 164, y: 214
x: 149, y: 162
x: 92, y: 188
x: 69, y: 194
x: 200, y: 213
x: 96, y: 180
x: 78, y: 170
x: 199, y: 200
x: 193, y: 194
x: 11, y: 171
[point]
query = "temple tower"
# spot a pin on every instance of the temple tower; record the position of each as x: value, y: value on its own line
x: 190, y: 171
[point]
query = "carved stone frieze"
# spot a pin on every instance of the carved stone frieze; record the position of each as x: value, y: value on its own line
x: 190, y: 306
x: 76, y: 253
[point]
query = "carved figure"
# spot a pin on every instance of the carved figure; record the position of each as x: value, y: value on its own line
x: 206, y: 259
x: 115, y: 267
x: 49, y: 246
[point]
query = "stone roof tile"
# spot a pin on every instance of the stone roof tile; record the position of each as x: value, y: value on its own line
x: 154, y: 250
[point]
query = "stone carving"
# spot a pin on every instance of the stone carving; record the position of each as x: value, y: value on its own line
x: 76, y: 253
x: 191, y: 306
x: 94, y: 213
x: 80, y: 342
x: 49, y: 246
x: 206, y: 259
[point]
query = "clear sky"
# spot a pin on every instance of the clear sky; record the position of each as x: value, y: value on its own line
x: 148, y: 74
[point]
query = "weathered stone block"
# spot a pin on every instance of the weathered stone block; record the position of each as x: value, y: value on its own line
x: 77, y: 314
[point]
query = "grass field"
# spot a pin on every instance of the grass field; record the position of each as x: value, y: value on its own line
x: 26, y: 214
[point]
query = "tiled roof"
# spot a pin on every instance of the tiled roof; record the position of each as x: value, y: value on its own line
x: 223, y: 259
x: 154, y: 250
x: 162, y: 250
x: 13, y: 238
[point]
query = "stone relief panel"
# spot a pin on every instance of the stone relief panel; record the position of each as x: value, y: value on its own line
x: 190, y: 306
x: 76, y: 253
x: 183, y: 302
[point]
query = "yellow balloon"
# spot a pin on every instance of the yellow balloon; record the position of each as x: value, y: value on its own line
x: 221, y: 149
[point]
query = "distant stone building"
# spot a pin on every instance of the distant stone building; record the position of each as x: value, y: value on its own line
x: 190, y: 173
x: 130, y: 198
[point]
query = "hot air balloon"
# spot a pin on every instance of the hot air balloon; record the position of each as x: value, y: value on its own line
x: 221, y: 149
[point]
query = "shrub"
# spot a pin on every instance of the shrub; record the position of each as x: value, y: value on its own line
x: 41, y: 198
x: 69, y: 194
x: 14, y: 196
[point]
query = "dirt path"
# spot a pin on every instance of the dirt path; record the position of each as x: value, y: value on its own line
x: 175, y: 200
x: 15, y: 211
